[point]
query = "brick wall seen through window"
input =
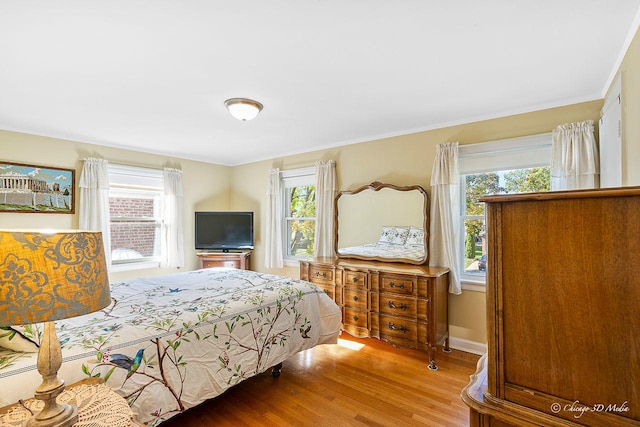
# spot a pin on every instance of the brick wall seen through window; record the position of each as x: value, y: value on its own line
x: 133, y: 235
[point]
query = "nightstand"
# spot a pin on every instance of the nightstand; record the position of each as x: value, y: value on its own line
x: 97, y: 405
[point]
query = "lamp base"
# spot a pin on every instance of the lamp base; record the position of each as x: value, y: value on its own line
x: 66, y: 418
x: 53, y: 414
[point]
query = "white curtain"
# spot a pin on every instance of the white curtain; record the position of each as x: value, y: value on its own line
x: 326, y: 188
x: 574, y: 157
x: 94, y: 201
x: 445, y: 213
x: 273, y: 236
x: 172, y: 231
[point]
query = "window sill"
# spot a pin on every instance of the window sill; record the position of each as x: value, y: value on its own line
x: 476, y: 286
x: 293, y: 262
x: 129, y: 266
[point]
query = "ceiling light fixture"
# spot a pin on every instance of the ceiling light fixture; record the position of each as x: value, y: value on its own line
x: 242, y: 108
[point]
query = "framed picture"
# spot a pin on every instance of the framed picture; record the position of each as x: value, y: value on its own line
x: 36, y: 189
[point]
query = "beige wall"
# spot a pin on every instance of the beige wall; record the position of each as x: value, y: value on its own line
x: 206, y: 186
x: 402, y: 160
x: 630, y: 71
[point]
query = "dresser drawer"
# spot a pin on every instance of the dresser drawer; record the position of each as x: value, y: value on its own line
x: 355, y: 298
x: 398, y: 306
x: 228, y: 263
x: 318, y: 274
x: 328, y: 289
x: 398, y: 331
x: 239, y: 260
x: 355, y: 318
x: 399, y: 284
x: 355, y: 278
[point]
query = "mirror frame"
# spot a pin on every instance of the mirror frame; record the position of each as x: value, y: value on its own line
x: 377, y: 186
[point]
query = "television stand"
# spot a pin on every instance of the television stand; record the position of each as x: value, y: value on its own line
x: 233, y: 259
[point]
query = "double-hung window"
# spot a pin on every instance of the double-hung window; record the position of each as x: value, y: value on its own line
x: 135, y: 210
x: 299, y: 212
x: 519, y: 165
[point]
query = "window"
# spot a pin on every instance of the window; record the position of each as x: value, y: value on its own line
x: 135, y: 210
x: 299, y: 196
x: 520, y: 165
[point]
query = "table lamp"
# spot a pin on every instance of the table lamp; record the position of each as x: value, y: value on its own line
x: 47, y: 276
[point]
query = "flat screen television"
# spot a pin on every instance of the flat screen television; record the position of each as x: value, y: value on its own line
x: 224, y: 230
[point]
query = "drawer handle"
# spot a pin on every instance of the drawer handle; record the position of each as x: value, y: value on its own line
x: 355, y: 280
x: 393, y: 327
x: 355, y: 318
x: 393, y: 285
x: 402, y: 305
x: 355, y: 297
x: 324, y: 274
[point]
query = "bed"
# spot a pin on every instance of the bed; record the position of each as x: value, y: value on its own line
x: 168, y: 343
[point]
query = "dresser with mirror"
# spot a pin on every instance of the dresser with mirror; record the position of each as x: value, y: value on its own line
x: 380, y: 277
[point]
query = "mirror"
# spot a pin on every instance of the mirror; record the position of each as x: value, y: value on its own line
x: 382, y: 222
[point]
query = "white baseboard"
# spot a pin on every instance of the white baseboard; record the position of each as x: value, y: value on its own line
x: 468, y: 346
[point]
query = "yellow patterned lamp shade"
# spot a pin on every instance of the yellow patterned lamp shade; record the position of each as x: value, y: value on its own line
x: 44, y: 277
x: 51, y: 276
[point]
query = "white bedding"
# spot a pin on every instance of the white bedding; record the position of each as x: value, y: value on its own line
x: 195, y: 334
x: 385, y: 250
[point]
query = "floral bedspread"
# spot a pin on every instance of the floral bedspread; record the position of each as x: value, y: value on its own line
x: 168, y: 343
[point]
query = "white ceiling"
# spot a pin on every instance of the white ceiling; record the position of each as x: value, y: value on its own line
x: 152, y: 75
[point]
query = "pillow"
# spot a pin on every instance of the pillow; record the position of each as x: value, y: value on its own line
x: 416, y: 236
x: 15, y: 341
x: 394, y: 235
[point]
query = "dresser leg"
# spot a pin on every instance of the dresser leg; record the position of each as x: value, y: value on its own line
x: 432, y: 358
x: 446, y: 347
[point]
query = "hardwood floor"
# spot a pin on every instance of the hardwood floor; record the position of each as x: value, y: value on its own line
x: 334, y: 385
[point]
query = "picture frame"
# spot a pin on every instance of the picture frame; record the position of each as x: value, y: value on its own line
x: 31, y: 188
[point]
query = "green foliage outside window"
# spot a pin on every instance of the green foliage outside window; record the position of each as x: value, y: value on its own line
x: 528, y: 180
x: 302, y: 226
x: 501, y: 182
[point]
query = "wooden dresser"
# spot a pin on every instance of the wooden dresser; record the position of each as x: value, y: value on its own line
x: 563, y: 311
x: 235, y: 259
x: 403, y: 304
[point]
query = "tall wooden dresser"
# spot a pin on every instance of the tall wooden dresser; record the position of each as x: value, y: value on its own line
x: 403, y: 304
x: 563, y: 311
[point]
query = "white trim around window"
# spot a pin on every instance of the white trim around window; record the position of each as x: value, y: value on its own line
x: 288, y: 179
x: 143, y: 183
x: 515, y: 153
x: 135, y: 177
